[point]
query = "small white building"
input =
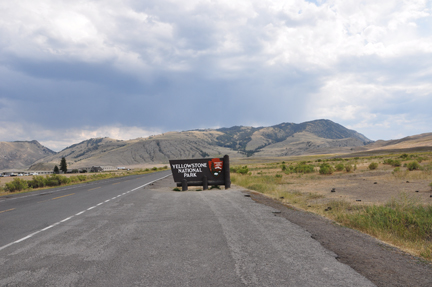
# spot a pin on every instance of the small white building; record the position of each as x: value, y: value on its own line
x: 103, y: 168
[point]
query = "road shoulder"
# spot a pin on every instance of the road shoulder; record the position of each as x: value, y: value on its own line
x: 383, y: 264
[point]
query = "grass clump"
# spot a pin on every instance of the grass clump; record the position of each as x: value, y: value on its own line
x: 396, y: 163
x: 373, y: 165
x: 325, y: 168
x: 303, y: 167
x: 414, y: 165
x: 339, y: 167
x: 239, y: 169
x: 402, y: 222
x: 17, y: 184
x: 261, y: 183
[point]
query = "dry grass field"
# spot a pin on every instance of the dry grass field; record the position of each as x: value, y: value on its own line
x: 391, y: 203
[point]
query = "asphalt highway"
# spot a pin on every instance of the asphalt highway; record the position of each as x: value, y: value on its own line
x: 26, y: 213
x: 130, y: 232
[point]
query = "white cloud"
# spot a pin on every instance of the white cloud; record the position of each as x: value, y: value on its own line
x: 371, y: 60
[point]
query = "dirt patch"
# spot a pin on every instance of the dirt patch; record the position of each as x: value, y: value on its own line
x: 383, y: 264
x: 370, y: 187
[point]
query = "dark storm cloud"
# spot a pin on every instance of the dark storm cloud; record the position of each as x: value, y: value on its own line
x: 144, y: 66
x: 103, y: 74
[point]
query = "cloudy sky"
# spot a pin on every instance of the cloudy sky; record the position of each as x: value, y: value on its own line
x: 72, y: 70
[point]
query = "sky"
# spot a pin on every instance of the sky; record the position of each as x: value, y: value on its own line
x: 74, y: 70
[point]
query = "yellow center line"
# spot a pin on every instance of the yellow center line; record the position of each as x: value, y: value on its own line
x: 7, y: 210
x: 95, y: 188
x: 62, y: 196
x: 116, y: 183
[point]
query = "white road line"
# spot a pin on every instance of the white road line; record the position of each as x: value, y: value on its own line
x: 28, y: 236
x: 51, y: 226
x: 66, y: 219
x: 79, y: 213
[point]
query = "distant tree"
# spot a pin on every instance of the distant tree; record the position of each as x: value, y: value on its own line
x: 56, y: 170
x: 63, y: 165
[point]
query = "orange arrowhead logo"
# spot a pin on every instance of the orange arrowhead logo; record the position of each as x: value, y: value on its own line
x: 215, y: 166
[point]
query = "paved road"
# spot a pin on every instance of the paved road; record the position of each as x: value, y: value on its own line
x: 156, y: 237
x: 26, y: 213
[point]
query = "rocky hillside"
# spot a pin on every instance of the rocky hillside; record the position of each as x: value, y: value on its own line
x: 20, y: 155
x: 290, y: 138
x: 320, y: 136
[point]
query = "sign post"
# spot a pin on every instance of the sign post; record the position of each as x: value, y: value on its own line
x: 201, y: 172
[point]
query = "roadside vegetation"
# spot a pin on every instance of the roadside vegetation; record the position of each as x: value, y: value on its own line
x: 404, y: 220
x: 54, y: 180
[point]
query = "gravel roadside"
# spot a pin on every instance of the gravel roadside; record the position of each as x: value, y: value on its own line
x: 383, y: 264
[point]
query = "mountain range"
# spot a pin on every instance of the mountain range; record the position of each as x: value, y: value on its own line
x: 286, y: 139
x: 21, y: 154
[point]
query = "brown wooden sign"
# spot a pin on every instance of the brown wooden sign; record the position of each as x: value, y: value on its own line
x: 205, y: 171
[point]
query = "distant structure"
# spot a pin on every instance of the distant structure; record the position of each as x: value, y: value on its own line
x: 103, y: 168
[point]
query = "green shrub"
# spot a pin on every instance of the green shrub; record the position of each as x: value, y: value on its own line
x: 73, y: 178
x: 373, y: 165
x: 52, y: 182
x: 388, y: 161
x: 176, y: 189
x: 396, y: 163
x: 17, y: 184
x: 82, y: 177
x: 420, y: 159
x: 397, y: 169
x: 64, y: 180
x: 240, y: 169
x: 154, y: 168
x: 404, y: 156
x: 348, y: 167
x: 37, y: 181
x: 325, y: 168
x: 414, y: 165
x: 339, y: 167
x: 302, y: 167
x: 283, y: 167
x: 278, y: 175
